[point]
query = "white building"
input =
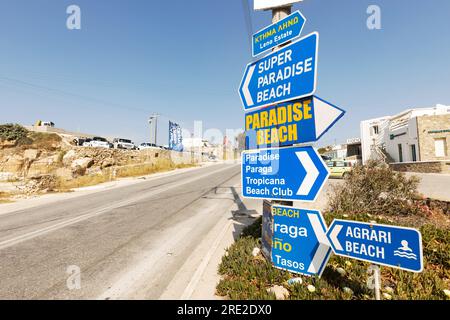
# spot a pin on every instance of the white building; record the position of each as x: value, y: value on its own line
x: 350, y: 151
x: 411, y: 136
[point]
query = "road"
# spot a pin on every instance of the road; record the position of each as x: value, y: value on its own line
x: 146, y: 239
x: 126, y: 242
x: 433, y: 185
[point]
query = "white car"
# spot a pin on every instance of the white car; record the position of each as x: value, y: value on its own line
x: 120, y: 143
x: 146, y: 145
x: 212, y: 158
x: 97, y: 142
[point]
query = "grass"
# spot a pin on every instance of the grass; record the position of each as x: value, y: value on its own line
x: 83, y: 181
x: 41, y: 141
x: 120, y: 172
x: 137, y: 170
x: 248, y: 277
x: 5, y: 197
x: 12, y: 132
x: 61, y: 155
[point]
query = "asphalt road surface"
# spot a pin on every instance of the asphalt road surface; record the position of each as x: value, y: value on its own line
x: 126, y: 242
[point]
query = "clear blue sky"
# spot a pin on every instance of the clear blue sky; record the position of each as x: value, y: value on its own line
x: 185, y: 59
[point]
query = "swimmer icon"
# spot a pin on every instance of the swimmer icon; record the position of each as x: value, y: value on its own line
x: 405, y: 251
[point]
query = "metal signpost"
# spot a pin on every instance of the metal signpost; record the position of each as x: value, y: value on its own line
x: 267, y: 230
x: 292, y: 173
x: 299, y: 240
x: 286, y: 74
x: 281, y: 87
x: 278, y: 33
x: 293, y: 239
x: 297, y: 121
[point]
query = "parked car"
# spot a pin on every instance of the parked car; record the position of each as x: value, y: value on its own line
x: 97, y: 142
x: 47, y: 124
x: 120, y: 143
x: 339, y: 168
x: 146, y: 145
x: 40, y: 123
x: 79, y: 141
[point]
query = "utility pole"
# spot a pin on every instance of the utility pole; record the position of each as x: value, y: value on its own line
x: 153, y: 120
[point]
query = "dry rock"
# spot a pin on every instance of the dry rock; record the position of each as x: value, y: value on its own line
x: 83, y: 163
x: 109, y: 162
x: 280, y: 292
x: 31, y: 154
x: 69, y: 156
x: 64, y: 173
x: 13, y: 163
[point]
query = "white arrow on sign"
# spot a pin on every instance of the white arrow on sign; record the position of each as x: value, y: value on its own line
x: 333, y: 236
x: 324, y: 244
x: 247, y: 95
x: 311, y: 173
x: 325, y: 115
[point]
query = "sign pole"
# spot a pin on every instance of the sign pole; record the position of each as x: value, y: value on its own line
x: 377, y: 283
x: 280, y: 13
x: 299, y: 171
x: 374, y: 280
x: 277, y: 15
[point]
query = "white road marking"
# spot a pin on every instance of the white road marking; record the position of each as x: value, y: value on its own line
x: 187, y: 293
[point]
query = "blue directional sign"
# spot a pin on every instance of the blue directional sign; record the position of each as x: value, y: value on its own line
x: 297, y: 121
x: 293, y: 173
x: 299, y: 240
x: 386, y: 245
x: 278, y: 33
x: 287, y: 74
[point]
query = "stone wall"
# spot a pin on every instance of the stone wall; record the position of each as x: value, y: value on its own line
x: 423, y: 167
x: 431, y: 128
x: 16, y: 163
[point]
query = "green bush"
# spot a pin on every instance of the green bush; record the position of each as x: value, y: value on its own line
x: 375, y: 189
x: 12, y: 132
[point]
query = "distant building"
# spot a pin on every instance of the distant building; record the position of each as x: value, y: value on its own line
x: 414, y: 135
x: 203, y: 147
x: 351, y: 150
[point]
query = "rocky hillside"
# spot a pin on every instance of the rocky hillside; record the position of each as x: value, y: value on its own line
x: 35, y: 161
